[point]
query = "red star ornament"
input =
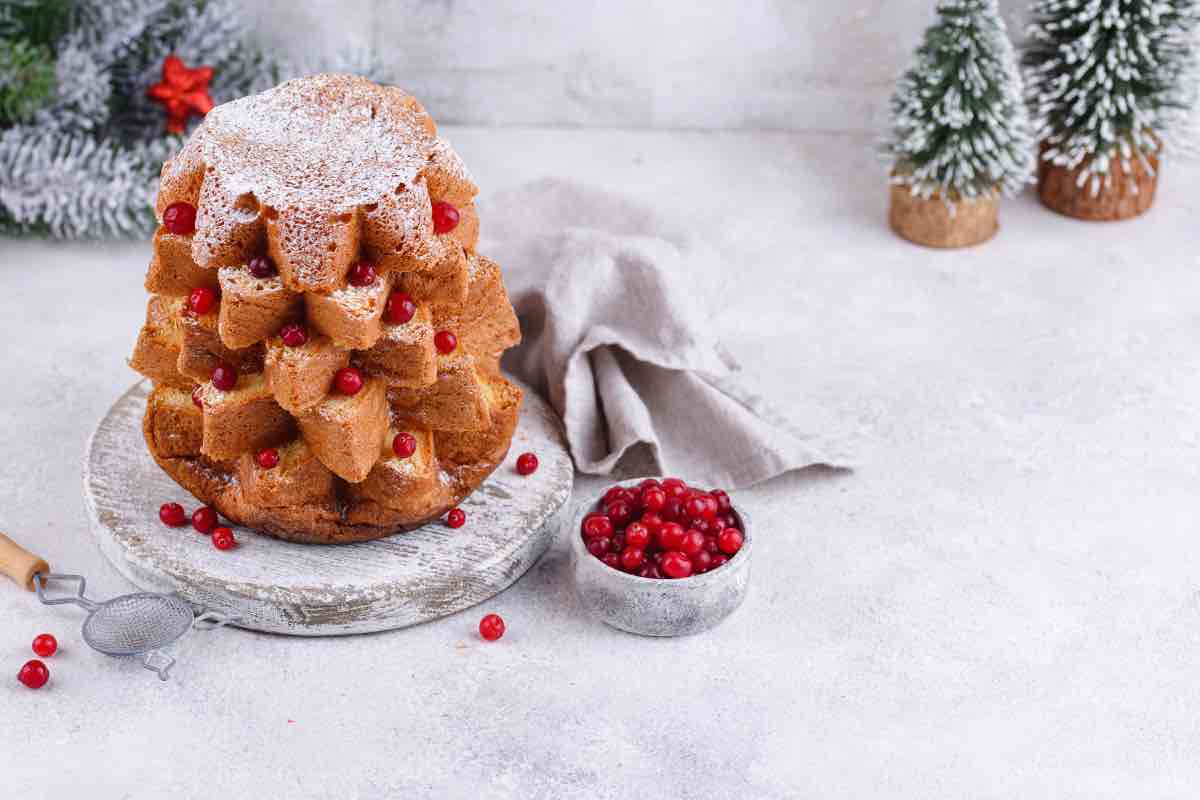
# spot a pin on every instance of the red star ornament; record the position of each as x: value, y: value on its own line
x: 182, y: 92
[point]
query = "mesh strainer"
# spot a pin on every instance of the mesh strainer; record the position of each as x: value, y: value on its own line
x: 139, y: 624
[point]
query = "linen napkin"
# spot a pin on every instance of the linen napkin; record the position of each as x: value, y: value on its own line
x: 617, y: 340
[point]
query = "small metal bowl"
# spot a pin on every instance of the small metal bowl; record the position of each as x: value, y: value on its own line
x: 659, y: 607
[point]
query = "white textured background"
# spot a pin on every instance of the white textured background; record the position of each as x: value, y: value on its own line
x: 779, y: 64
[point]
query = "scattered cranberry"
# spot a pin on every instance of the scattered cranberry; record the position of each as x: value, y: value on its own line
x: 172, y: 514
x: 222, y: 539
x: 197, y: 401
x: 204, y: 519
x: 400, y: 308
x: 632, y: 559
x: 527, y: 464
x: 34, y: 674
x: 693, y: 543
x: 676, y: 565
x: 224, y: 377
x: 597, y: 525
x: 491, y: 627
x: 445, y: 217
x: 456, y: 518
x: 637, y: 535
x: 201, y: 300
x: 730, y: 541
x: 293, y: 334
x: 445, y: 342
x: 45, y: 645
x: 180, y: 219
x: 262, y: 267
x: 363, y: 274
x: 268, y: 458
x: 348, y: 380
x: 404, y: 444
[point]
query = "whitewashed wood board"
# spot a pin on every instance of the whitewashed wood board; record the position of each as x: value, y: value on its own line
x: 325, y: 590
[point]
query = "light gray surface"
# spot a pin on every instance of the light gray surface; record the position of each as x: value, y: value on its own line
x: 266, y: 584
x: 781, y: 64
x: 1001, y: 602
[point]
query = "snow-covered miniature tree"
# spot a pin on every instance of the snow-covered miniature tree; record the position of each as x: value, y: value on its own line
x: 1107, y: 84
x: 960, y: 134
x: 960, y: 129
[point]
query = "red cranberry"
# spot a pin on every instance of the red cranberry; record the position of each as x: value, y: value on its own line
x: 702, y: 562
x: 172, y: 514
x: 710, y: 545
x: 262, y: 267
x: 224, y: 377
x: 649, y: 483
x: 527, y: 464
x: 222, y: 539
x: 718, y: 560
x: 400, y: 308
x: 456, y: 518
x: 599, y: 546
x: 201, y: 300
x: 649, y: 570
x: 614, y: 494
x: 445, y: 217
x: 673, y: 510
x: 34, y: 674
x: 180, y: 219
x: 653, y: 523
x: 619, y: 512
x: 712, y: 506
x: 267, y: 458
x: 596, y: 526
x: 491, y: 627
x: 632, y: 559
x: 730, y: 541
x: 724, y: 506
x: 693, y: 543
x: 729, y: 521
x: 445, y: 342
x: 45, y: 645
x: 363, y: 274
x: 675, y: 489
x: 348, y: 380
x: 404, y: 444
x: 670, y: 536
x: 695, y: 508
x: 611, y: 560
x: 653, y: 499
x: 196, y: 399
x: 617, y: 543
x: 676, y: 565
x: 293, y: 335
x: 204, y: 519
x: 637, y: 535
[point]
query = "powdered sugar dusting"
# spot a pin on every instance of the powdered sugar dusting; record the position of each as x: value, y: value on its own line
x: 328, y: 142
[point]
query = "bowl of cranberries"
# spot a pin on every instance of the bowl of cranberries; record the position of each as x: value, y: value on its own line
x: 660, y: 557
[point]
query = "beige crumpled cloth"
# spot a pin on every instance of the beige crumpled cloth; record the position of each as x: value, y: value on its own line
x: 614, y: 339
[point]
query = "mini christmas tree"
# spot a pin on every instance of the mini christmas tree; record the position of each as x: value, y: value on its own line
x: 960, y: 130
x: 1108, y: 83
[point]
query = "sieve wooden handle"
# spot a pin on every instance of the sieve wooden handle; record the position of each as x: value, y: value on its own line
x: 19, y: 564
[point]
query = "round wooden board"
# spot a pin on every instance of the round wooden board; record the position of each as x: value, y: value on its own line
x: 326, y: 590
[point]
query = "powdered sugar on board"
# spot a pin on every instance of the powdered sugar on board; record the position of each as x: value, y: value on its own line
x: 323, y: 590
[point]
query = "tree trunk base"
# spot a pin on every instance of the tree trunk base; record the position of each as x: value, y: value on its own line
x: 1129, y: 194
x: 928, y: 222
